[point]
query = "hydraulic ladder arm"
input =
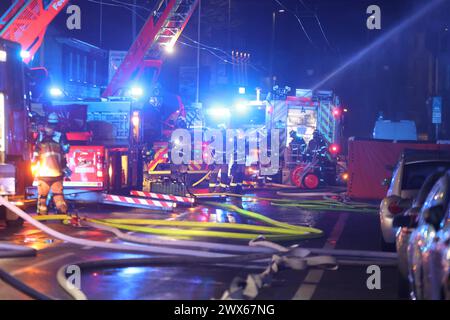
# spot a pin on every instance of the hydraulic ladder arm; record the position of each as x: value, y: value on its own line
x: 161, y: 31
x: 26, y: 22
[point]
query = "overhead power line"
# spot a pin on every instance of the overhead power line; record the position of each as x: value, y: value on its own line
x: 120, y: 5
x: 298, y: 19
x: 316, y: 16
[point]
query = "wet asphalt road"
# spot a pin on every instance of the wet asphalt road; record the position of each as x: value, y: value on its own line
x: 342, y: 230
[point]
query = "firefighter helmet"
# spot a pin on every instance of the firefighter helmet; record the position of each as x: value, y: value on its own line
x: 53, y: 118
x: 293, y: 134
x: 317, y: 134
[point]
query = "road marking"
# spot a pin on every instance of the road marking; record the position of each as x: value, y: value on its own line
x: 42, y: 263
x: 312, y: 279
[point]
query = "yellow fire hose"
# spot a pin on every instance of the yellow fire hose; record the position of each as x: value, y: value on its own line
x: 326, y: 207
x: 275, y: 230
x: 326, y: 204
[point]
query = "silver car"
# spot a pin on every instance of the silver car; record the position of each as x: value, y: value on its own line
x: 429, y: 245
x: 406, y: 223
x: 408, y: 176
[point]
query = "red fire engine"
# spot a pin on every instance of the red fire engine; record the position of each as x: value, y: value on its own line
x: 299, y: 118
x: 100, y: 165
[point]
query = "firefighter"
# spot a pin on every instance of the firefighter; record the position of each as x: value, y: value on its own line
x: 317, y: 147
x: 50, y: 161
x: 297, y: 146
x: 237, y: 171
x: 219, y: 178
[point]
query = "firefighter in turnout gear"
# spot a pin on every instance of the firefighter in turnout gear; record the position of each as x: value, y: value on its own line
x: 318, y: 148
x: 297, y: 146
x: 237, y: 170
x: 50, y: 165
x: 219, y: 178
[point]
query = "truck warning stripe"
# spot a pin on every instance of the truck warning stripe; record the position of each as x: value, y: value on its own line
x: 160, y: 196
x: 160, y: 157
x: 138, y: 201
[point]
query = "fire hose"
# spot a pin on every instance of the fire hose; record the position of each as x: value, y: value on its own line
x: 275, y: 231
x: 326, y: 204
x: 184, y: 255
x: 194, y: 257
x: 319, y: 206
x: 15, y: 251
x: 105, y: 245
x: 294, y: 258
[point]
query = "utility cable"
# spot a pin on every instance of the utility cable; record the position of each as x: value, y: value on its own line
x: 298, y: 19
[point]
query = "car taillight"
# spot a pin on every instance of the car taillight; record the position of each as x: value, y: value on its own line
x: 394, y: 208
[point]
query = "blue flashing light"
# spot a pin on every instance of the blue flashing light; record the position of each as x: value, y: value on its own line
x: 218, y: 112
x: 241, y: 106
x: 24, y: 54
x: 56, y: 92
x: 136, y: 92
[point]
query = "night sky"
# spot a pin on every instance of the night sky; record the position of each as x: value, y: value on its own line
x: 378, y: 82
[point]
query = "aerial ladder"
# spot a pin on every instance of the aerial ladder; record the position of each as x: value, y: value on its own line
x: 159, y: 33
x: 26, y: 22
x: 143, y: 63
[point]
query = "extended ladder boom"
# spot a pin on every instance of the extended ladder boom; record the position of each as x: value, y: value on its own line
x: 26, y: 22
x: 161, y: 31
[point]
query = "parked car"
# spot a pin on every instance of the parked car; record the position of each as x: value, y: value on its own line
x: 408, y: 176
x: 406, y: 223
x: 429, y: 245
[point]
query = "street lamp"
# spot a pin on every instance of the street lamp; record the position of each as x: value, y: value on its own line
x: 272, y: 48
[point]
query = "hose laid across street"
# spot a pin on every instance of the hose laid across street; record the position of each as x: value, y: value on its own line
x: 14, y: 251
x: 275, y: 231
x: 325, y: 204
x: 106, y: 245
x: 293, y: 258
x: 167, y: 261
x: 328, y: 207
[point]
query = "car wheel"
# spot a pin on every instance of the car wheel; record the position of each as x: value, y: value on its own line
x: 386, y: 246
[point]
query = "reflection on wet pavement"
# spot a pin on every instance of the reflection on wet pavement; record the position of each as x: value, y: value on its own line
x: 168, y: 282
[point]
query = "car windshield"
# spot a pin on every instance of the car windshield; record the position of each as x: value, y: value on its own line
x: 415, y: 174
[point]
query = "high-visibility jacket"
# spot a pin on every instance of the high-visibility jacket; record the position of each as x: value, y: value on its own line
x: 49, y: 153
